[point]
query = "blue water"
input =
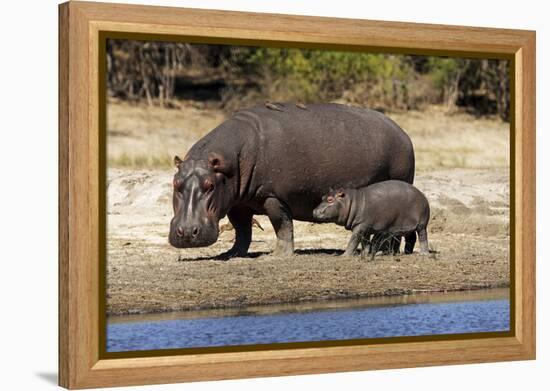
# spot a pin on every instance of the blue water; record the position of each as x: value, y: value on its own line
x: 335, y: 324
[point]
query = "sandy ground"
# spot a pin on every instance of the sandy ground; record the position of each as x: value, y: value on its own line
x: 468, y: 229
x: 461, y: 167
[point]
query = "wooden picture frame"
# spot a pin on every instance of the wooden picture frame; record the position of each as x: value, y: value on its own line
x: 81, y: 25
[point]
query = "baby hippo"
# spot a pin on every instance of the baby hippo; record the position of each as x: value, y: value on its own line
x: 391, y: 207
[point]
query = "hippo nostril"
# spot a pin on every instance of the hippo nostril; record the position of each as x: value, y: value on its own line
x: 179, y: 232
x: 195, y: 232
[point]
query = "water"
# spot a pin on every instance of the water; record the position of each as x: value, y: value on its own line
x: 340, y: 321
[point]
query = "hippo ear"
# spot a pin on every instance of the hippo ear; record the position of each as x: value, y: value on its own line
x: 177, y: 161
x: 220, y: 164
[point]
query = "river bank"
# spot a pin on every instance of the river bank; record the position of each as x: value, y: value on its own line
x: 468, y: 232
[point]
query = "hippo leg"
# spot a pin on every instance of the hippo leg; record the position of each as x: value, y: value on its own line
x: 365, y: 245
x: 241, y: 219
x: 423, y: 239
x: 410, y: 240
x: 354, y: 241
x: 281, y: 218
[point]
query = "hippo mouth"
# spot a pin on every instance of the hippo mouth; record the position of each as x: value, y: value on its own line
x: 193, y: 236
x: 319, y: 213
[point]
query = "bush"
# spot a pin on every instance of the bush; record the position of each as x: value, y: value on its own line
x: 238, y: 76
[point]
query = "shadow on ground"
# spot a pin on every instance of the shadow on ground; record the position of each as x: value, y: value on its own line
x: 257, y: 254
x: 48, y: 377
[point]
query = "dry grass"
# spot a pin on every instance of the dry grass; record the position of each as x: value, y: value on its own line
x: 142, y: 136
x: 455, y: 140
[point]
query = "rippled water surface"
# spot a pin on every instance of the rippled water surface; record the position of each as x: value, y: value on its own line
x: 338, y: 321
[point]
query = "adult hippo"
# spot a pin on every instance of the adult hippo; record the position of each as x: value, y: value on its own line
x: 279, y: 160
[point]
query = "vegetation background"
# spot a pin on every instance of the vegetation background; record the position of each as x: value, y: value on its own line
x: 232, y: 77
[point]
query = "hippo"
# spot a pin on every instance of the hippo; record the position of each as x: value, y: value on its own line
x: 279, y: 160
x: 389, y: 207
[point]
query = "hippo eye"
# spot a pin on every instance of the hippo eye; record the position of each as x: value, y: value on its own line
x: 207, y: 185
x: 330, y: 199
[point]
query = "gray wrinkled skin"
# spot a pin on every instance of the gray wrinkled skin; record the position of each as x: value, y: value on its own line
x: 390, y: 207
x: 279, y: 163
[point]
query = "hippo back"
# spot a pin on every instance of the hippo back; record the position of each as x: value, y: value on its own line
x: 301, y: 153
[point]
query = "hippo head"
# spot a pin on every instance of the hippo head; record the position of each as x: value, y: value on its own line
x: 202, y: 196
x: 332, y: 207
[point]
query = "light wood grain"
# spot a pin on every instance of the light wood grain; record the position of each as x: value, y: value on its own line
x: 290, y: 28
x: 64, y: 353
x: 80, y: 25
x: 526, y: 186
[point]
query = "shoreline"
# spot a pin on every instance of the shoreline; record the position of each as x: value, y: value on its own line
x: 206, y: 285
x: 412, y: 297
